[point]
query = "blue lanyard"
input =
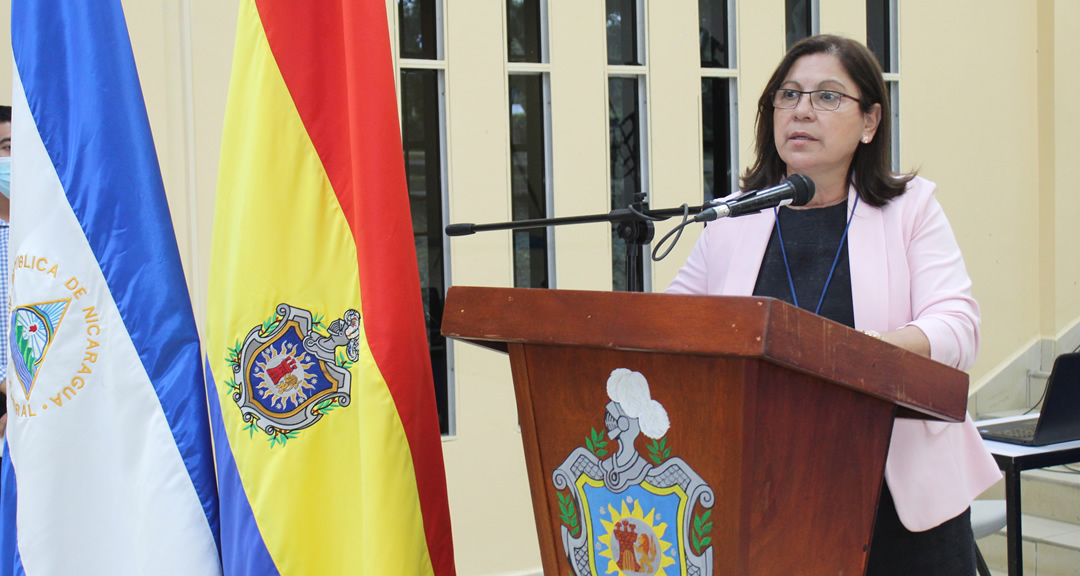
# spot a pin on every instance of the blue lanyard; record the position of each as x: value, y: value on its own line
x: 836, y: 259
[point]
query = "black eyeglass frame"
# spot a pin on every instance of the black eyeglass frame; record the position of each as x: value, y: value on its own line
x: 811, y: 94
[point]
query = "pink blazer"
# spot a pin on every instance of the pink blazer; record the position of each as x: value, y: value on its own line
x: 906, y: 269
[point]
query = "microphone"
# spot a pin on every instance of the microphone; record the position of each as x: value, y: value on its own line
x: 460, y: 229
x: 796, y: 191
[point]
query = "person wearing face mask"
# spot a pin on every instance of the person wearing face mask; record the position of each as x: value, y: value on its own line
x: 5, y: 210
x: 873, y: 250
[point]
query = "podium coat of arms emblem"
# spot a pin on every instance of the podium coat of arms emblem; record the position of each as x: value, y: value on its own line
x: 627, y: 514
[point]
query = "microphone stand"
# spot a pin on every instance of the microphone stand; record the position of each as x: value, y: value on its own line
x: 634, y: 227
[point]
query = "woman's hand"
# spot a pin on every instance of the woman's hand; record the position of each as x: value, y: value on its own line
x: 909, y: 338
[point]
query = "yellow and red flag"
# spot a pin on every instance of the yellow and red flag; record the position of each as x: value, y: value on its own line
x: 323, y: 409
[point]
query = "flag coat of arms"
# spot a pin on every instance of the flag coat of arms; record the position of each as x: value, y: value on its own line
x: 327, y: 443
x: 108, y: 466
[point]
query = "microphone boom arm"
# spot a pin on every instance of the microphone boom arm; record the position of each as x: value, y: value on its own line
x: 635, y: 227
x: 619, y: 215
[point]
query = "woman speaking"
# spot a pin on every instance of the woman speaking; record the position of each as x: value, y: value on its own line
x: 874, y: 251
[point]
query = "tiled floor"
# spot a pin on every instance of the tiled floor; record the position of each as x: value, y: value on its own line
x: 1051, y: 548
x: 1051, y: 525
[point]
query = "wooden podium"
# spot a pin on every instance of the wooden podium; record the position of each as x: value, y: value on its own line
x: 779, y: 425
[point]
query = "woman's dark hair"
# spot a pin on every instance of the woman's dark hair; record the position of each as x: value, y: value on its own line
x: 870, y: 171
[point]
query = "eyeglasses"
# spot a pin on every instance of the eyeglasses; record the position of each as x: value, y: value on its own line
x: 824, y: 100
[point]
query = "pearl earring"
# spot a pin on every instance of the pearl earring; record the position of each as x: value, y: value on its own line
x: 865, y: 139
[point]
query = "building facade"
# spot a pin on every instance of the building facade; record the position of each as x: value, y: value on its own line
x: 516, y: 109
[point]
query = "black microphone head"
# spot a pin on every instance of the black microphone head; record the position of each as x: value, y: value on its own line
x: 460, y: 229
x: 804, y: 189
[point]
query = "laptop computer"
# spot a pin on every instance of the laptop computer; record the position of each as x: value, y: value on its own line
x: 1059, y: 420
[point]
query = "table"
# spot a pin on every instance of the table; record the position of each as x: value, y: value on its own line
x: 1014, y: 459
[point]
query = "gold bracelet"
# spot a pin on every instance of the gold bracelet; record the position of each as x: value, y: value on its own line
x: 873, y: 334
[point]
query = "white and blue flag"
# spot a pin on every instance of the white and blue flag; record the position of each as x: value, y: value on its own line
x: 107, y: 467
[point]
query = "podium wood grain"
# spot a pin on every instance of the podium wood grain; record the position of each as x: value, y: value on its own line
x: 786, y: 415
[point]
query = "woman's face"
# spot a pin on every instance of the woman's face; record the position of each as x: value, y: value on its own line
x: 817, y: 142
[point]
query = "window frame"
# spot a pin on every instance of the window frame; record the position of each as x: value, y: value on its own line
x: 640, y: 72
x: 439, y: 64
x: 892, y: 80
x: 542, y: 69
x: 892, y: 77
x: 815, y: 21
x: 731, y: 74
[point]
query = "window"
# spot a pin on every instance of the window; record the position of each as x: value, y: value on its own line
x: 627, y: 130
x: 802, y: 20
x: 881, y: 38
x: 422, y: 88
x: 529, y: 107
x: 719, y: 111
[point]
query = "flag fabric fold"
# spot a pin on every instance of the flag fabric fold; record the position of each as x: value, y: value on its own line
x: 326, y: 433
x: 108, y: 467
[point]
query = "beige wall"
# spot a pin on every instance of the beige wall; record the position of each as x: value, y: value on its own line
x: 675, y: 111
x: 986, y: 113
x: 845, y: 17
x: 485, y: 456
x: 5, y: 47
x: 983, y: 154
x: 1064, y: 150
x: 579, y: 120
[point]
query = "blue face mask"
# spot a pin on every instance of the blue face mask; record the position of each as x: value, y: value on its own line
x: 5, y: 176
